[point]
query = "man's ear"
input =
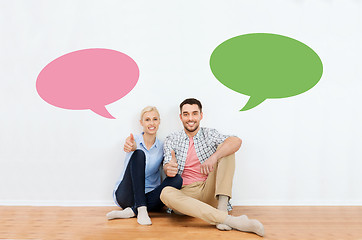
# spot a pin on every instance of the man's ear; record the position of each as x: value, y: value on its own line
x: 180, y: 116
x: 202, y: 115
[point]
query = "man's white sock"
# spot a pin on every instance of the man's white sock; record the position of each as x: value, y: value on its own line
x: 223, y: 205
x: 243, y: 223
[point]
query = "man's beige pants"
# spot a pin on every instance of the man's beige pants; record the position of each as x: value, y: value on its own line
x: 199, y: 199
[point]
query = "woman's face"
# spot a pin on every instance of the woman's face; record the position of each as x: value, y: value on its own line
x: 150, y: 122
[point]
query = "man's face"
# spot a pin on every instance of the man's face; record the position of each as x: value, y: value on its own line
x: 190, y: 116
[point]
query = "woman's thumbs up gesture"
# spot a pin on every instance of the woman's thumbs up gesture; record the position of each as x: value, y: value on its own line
x: 130, y: 144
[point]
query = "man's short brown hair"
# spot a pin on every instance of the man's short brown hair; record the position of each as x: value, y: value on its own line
x: 191, y: 101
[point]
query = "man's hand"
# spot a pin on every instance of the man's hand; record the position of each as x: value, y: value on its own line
x: 172, y: 166
x: 130, y: 144
x: 208, y: 165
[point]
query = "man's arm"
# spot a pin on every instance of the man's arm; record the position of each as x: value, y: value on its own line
x: 228, y: 147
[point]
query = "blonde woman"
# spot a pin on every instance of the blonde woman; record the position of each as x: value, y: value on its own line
x: 139, y: 187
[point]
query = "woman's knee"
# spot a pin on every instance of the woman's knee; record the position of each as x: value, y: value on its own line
x: 175, y: 181
x: 178, y: 181
x: 138, y: 157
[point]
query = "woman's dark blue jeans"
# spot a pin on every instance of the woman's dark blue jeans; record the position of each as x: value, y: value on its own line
x: 131, y: 191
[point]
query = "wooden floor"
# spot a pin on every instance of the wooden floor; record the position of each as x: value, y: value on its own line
x: 90, y: 223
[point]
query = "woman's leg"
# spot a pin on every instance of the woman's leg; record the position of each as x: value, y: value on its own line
x: 130, y: 193
x: 154, y: 202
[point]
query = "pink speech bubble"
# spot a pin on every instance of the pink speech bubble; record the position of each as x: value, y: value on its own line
x: 88, y: 79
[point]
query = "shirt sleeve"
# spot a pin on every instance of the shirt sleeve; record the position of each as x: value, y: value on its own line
x: 215, y: 137
x: 167, y: 147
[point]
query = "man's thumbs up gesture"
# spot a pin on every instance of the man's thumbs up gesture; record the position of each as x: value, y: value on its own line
x: 130, y: 144
x: 171, y: 167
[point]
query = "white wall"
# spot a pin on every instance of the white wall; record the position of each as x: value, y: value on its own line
x: 303, y: 150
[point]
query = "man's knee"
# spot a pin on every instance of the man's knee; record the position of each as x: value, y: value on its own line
x: 229, y: 159
x: 166, y: 193
x: 226, y: 165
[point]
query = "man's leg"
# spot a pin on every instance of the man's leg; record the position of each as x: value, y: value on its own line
x: 220, y: 181
x: 179, y: 201
x: 218, y: 186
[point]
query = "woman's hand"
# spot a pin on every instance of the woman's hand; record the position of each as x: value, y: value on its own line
x: 130, y: 144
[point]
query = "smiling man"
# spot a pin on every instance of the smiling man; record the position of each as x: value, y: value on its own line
x: 205, y: 160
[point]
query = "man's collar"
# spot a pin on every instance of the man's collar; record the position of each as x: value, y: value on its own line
x: 197, y: 136
x: 185, y: 136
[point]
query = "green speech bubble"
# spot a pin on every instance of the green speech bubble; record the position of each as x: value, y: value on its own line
x: 264, y: 65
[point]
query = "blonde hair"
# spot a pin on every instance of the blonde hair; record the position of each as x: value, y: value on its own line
x: 149, y: 109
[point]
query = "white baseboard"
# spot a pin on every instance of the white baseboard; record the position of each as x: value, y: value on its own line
x: 295, y: 203
x: 56, y: 203
x: 233, y: 202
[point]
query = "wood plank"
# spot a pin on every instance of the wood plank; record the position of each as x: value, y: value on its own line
x: 90, y: 223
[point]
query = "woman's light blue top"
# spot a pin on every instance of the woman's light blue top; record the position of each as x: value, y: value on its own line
x: 154, y: 157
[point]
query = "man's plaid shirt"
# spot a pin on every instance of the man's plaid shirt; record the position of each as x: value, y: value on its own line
x: 206, y: 142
